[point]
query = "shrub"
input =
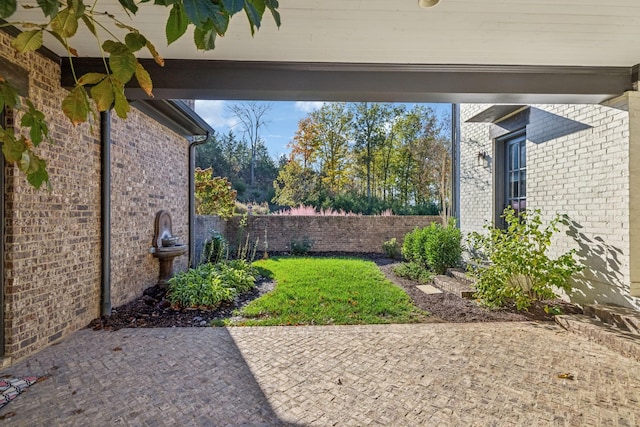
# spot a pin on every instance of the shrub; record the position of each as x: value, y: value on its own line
x: 301, y: 247
x: 434, y: 247
x: 209, y: 285
x: 391, y: 248
x: 519, y: 270
x: 214, y: 248
x: 413, y: 271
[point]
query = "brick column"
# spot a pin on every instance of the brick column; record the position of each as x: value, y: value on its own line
x: 634, y: 191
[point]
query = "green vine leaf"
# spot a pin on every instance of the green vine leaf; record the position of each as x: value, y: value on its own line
x: 233, y: 6
x: 144, y: 79
x: 204, y: 37
x: 220, y: 22
x: 135, y: 41
x: 177, y: 23
x: 89, y: 23
x: 35, y: 119
x: 199, y: 11
x: 13, y: 148
x: 65, y: 23
x: 129, y: 5
x: 273, y: 6
x: 103, y: 95
x: 91, y: 78
x: 77, y: 6
x: 28, y: 41
x: 8, y: 94
x: 76, y: 105
x: 121, y: 104
x: 49, y: 7
x: 253, y: 15
x: 7, y: 8
x: 156, y: 56
x: 121, y: 61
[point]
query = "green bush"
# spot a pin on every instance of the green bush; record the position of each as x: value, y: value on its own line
x: 391, y: 248
x: 434, y: 247
x: 518, y: 269
x: 301, y: 247
x: 214, y: 248
x: 413, y: 271
x: 209, y: 285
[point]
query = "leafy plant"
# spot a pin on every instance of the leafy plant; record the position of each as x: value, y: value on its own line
x: 301, y: 247
x: 434, y: 247
x: 413, y: 271
x: 106, y: 89
x: 519, y: 270
x: 214, y: 195
x: 391, y: 248
x: 209, y: 285
x: 214, y: 248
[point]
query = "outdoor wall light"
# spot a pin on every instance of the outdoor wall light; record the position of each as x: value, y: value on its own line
x: 427, y: 3
x: 482, y: 159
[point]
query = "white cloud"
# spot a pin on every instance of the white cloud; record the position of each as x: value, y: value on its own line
x: 308, y: 106
x: 213, y: 112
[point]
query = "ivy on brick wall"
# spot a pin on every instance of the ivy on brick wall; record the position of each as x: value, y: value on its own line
x: 95, y: 92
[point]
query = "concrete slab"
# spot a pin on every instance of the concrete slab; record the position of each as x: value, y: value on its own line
x: 428, y: 289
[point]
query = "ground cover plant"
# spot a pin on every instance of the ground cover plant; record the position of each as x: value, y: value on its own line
x: 322, y: 291
x: 210, y: 285
x: 513, y: 266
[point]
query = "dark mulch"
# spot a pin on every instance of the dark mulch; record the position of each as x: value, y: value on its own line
x: 152, y: 310
x: 449, y: 307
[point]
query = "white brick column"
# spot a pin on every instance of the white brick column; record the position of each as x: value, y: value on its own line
x: 634, y: 191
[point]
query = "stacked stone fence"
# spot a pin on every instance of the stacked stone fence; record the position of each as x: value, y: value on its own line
x: 349, y: 234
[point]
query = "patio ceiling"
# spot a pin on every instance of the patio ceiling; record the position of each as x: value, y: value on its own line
x: 393, y: 50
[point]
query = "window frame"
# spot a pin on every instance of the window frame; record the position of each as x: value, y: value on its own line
x: 502, y: 170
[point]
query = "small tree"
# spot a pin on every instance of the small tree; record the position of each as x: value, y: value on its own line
x: 214, y: 195
x: 519, y: 270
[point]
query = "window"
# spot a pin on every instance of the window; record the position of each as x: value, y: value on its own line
x: 510, y: 174
x: 516, y: 173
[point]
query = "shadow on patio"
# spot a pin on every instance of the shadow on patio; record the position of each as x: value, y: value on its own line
x: 150, y: 377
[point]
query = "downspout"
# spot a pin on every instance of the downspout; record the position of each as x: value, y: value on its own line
x: 105, y: 210
x: 455, y: 162
x: 197, y: 140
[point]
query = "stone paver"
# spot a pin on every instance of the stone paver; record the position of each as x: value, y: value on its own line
x: 429, y: 290
x: 491, y: 374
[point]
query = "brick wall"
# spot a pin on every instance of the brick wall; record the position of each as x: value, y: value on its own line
x: 327, y: 233
x: 149, y: 173
x: 52, y: 243
x: 578, y: 164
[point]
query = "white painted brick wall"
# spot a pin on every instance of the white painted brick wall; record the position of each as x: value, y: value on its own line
x: 577, y: 164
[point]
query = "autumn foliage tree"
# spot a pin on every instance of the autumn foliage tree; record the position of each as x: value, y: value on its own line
x: 368, y: 157
x: 214, y: 195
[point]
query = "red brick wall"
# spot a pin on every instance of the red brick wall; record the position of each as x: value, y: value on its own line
x: 149, y: 172
x: 52, y: 244
x: 327, y: 233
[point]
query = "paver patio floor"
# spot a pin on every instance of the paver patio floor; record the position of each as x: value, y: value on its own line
x: 490, y: 374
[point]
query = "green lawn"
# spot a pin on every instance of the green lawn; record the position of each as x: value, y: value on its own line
x: 328, y: 291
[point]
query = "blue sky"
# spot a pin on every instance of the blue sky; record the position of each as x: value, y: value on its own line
x: 282, y: 119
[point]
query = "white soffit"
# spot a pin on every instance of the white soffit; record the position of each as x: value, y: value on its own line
x: 513, y: 32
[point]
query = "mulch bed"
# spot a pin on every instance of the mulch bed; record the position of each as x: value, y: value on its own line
x: 152, y: 310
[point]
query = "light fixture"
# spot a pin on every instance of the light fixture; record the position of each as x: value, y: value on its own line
x: 482, y: 159
x: 427, y: 3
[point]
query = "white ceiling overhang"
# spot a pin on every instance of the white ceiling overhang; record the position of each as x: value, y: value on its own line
x: 460, y: 50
